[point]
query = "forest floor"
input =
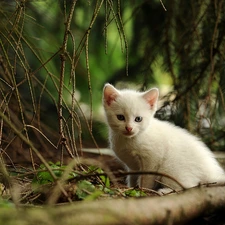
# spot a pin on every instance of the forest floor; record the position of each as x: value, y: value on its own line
x: 99, y: 176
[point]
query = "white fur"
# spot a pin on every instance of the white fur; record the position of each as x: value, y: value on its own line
x: 155, y: 145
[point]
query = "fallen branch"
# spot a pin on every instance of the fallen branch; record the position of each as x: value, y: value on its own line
x: 171, y: 209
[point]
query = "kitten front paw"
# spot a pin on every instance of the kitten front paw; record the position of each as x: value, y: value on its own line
x: 166, y: 191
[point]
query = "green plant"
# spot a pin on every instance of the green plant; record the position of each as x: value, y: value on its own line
x: 6, y: 204
x: 43, y: 176
x: 135, y: 193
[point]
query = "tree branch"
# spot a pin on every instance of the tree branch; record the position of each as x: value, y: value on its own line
x: 171, y: 209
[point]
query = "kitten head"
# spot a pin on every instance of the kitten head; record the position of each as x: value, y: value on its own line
x: 129, y: 112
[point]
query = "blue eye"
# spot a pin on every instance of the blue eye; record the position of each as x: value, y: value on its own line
x: 120, y: 117
x: 138, y: 119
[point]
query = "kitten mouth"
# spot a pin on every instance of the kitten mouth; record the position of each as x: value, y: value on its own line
x: 128, y: 134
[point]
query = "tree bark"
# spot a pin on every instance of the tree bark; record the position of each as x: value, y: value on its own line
x: 171, y: 209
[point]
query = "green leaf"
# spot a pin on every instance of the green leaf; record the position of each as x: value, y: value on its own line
x: 105, y: 180
x: 94, y: 195
x: 44, y: 177
x: 6, y: 204
x: 85, y: 188
x: 106, y: 190
x: 135, y: 193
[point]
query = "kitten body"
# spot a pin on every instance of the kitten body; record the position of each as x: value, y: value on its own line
x: 145, y: 143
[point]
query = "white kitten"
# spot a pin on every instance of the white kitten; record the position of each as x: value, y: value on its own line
x: 145, y: 143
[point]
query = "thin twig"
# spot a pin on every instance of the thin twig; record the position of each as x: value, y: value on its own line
x: 163, y: 5
x: 35, y: 128
x: 125, y: 173
x: 62, y: 75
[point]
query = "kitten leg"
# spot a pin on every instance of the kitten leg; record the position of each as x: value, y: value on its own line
x: 132, y: 180
x: 166, y: 191
x: 148, y: 181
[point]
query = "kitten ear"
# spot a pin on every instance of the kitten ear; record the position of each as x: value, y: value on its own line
x: 110, y: 93
x: 151, y: 97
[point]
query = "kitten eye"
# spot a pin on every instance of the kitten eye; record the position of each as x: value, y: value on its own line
x: 120, y: 117
x: 138, y: 119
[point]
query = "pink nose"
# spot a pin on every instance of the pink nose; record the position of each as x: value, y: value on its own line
x: 129, y: 129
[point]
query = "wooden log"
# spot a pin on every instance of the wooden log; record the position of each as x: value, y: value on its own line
x: 171, y: 209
